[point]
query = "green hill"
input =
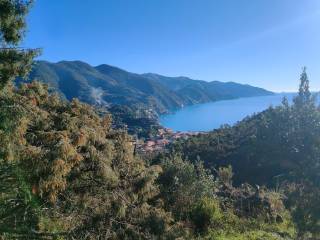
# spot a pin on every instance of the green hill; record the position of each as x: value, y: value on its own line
x: 106, y: 84
x: 277, y: 148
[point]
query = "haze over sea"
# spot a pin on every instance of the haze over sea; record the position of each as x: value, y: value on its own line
x: 209, y: 116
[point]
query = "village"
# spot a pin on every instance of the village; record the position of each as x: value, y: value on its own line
x: 164, y: 137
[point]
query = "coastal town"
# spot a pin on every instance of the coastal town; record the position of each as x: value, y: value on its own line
x: 163, y: 138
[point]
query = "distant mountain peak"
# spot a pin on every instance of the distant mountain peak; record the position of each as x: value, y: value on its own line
x: 107, y: 67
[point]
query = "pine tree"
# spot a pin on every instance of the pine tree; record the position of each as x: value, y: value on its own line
x: 304, y: 97
x: 17, y: 205
x: 14, y: 61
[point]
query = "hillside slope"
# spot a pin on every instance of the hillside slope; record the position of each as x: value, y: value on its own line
x: 106, y: 84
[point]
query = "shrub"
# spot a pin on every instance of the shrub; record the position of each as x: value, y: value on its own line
x: 205, y: 213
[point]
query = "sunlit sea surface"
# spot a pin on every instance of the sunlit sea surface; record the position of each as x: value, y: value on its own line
x: 209, y: 116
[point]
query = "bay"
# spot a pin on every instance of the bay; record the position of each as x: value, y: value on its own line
x: 209, y: 116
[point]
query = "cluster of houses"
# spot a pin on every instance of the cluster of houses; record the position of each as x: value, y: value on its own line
x: 164, y: 137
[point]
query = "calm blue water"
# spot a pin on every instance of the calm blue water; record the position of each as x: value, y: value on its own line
x: 208, y: 116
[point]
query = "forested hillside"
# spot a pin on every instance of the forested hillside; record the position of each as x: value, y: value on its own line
x: 278, y: 148
x: 106, y: 85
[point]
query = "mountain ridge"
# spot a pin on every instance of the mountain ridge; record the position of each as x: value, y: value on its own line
x: 106, y: 84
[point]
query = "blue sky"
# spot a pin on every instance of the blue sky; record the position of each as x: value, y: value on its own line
x: 260, y: 42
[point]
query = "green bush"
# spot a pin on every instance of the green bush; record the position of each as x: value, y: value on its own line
x: 205, y: 214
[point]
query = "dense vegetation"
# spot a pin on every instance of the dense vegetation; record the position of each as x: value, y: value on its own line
x: 138, y: 122
x: 278, y: 148
x: 106, y: 85
x: 66, y: 173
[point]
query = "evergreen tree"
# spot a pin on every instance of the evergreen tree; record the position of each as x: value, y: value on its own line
x: 14, y: 61
x: 304, y: 97
x: 305, y: 128
x: 18, y: 208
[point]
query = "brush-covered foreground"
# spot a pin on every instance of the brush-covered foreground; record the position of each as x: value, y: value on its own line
x: 65, y: 174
